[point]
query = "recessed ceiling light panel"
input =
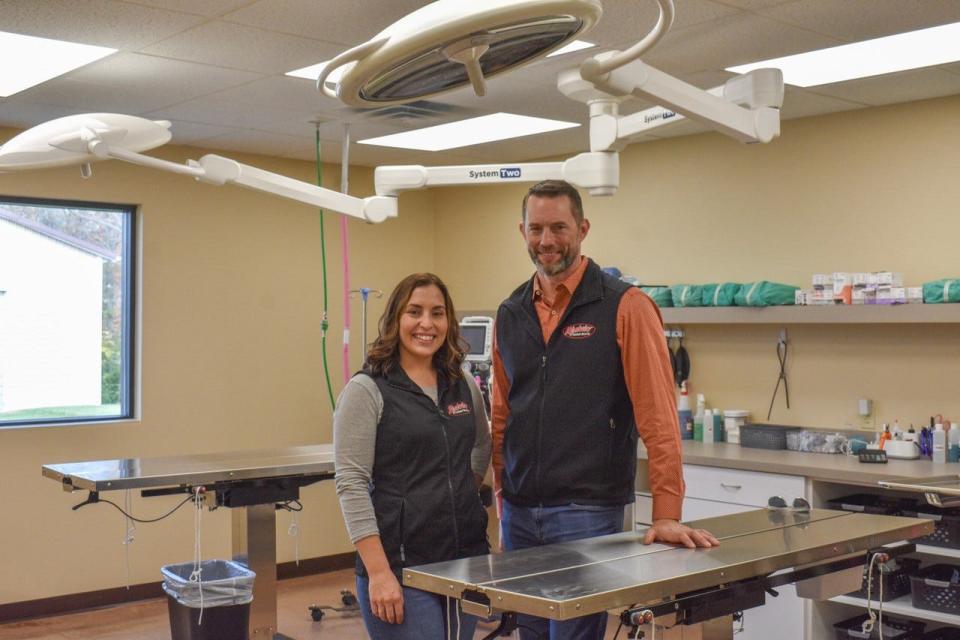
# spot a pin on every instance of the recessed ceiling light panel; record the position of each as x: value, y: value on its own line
x: 29, y: 61
x: 899, y: 52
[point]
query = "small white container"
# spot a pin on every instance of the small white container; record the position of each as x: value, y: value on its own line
x: 733, y: 419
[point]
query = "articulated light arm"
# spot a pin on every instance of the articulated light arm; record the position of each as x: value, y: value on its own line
x: 746, y: 107
x: 82, y: 139
x: 761, y: 93
x: 598, y: 172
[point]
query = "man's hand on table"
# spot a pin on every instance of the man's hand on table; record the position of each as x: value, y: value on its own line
x: 671, y: 531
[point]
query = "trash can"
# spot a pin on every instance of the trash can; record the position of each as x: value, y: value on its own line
x: 223, y: 595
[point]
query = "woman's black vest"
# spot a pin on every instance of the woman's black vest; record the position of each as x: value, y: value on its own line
x: 423, y: 490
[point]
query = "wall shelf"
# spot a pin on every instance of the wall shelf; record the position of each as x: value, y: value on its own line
x: 838, y: 314
x: 902, y: 606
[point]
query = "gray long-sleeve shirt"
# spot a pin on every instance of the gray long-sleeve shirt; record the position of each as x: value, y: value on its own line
x: 355, y: 421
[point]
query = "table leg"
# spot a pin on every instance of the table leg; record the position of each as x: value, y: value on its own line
x: 255, y: 546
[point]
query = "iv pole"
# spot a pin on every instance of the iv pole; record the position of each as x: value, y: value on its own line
x: 365, y: 293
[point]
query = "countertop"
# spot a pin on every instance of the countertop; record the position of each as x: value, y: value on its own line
x: 816, y: 466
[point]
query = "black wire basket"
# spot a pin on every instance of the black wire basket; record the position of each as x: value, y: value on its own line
x: 937, y: 588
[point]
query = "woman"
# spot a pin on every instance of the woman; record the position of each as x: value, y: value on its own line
x: 412, y: 444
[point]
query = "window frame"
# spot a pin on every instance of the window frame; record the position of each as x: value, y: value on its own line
x: 128, y: 322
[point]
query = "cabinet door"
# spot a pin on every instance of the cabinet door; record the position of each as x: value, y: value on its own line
x: 780, y: 618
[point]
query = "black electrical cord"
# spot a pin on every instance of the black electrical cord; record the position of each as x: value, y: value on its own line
x: 166, y: 515
x: 291, y: 505
x: 782, y: 348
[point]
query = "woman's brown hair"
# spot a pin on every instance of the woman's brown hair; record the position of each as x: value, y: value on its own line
x: 384, y: 353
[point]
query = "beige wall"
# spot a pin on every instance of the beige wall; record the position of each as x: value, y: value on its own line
x: 867, y: 190
x: 231, y: 307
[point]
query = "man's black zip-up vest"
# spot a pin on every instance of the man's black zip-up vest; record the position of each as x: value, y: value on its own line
x: 427, y: 505
x: 571, y: 435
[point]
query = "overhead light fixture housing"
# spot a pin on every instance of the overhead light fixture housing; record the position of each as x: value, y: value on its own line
x: 449, y: 44
x: 29, y: 60
x: 465, y: 133
x: 899, y: 52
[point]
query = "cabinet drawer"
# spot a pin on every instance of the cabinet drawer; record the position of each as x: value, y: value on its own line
x: 740, y: 487
x: 693, y: 509
x: 697, y: 509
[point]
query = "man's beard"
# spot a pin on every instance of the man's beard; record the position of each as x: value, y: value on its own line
x: 561, y: 265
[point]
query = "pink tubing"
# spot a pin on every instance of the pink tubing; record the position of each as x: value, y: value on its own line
x: 345, y: 241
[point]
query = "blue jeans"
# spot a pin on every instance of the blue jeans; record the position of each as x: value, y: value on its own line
x: 534, y: 526
x: 425, y: 616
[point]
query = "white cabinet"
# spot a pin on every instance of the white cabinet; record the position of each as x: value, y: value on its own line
x: 712, y: 491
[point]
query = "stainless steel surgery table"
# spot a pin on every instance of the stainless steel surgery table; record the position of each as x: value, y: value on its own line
x: 250, y: 482
x: 568, y: 580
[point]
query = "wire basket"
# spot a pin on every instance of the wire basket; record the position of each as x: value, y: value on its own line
x: 946, y: 531
x: 893, y: 629
x: 765, y: 436
x: 896, y: 582
x: 945, y: 633
x: 937, y: 588
x: 868, y: 503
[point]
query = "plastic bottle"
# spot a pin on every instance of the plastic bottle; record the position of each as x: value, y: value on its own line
x: 896, y: 431
x: 684, y: 413
x: 953, y: 438
x: 708, y: 426
x: 939, y: 443
x: 698, y: 418
x: 885, y: 435
x: 911, y: 434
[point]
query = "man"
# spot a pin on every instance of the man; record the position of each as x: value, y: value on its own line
x: 580, y: 367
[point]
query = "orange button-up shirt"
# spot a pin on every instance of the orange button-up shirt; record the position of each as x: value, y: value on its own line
x: 648, y: 377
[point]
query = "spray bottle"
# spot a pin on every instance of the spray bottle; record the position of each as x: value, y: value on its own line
x: 684, y: 413
x: 698, y: 418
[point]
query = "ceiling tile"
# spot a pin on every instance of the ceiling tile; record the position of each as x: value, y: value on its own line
x: 209, y: 8
x: 84, y: 97
x: 346, y: 23
x: 254, y: 141
x: 371, y: 156
x: 514, y: 94
x: 855, y: 20
x: 624, y: 23
x: 891, y: 88
x: 237, y: 46
x: 729, y: 41
x: 105, y: 23
x: 800, y: 103
x: 189, y: 132
x: 219, y: 112
x: 753, y: 5
x: 21, y: 113
x: 135, y: 82
x: 268, y: 92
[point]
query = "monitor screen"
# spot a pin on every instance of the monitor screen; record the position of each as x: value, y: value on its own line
x: 475, y: 337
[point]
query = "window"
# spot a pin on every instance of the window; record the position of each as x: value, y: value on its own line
x: 66, y: 320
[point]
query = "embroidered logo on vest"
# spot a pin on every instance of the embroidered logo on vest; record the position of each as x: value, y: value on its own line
x: 579, y: 331
x: 458, y: 409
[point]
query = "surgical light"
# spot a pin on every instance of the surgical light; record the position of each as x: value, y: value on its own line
x: 29, y: 61
x: 899, y: 52
x: 449, y: 44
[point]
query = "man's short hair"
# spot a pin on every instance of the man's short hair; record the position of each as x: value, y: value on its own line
x: 555, y: 189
